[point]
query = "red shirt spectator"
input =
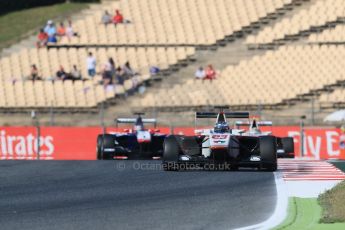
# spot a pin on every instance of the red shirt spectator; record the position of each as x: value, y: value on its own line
x: 42, y: 39
x: 118, y: 18
x: 210, y: 73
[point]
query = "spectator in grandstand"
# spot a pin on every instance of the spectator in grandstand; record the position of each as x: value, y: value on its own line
x: 106, y: 18
x: 112, y: 66
x: 34, y: 74
x: 70, y: 31
x: 200, y: 73
x: 61, y: 74
x: 91, y: 65
x: 46, y: 27
x: 127, y: 70
x: 119, y: 76
x: 107, y: 76
x: 42, y: 39
x: 61, y: 31
x: 50, y: 29
x: 210, y: 73
x: 154, y: 70
x: 118, y: 18
x: 52, y: 39
x: 75, y: 73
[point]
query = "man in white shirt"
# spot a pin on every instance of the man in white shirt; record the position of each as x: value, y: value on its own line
x: 91, y: 65
x: 200, y: 73
x: 106, y: 18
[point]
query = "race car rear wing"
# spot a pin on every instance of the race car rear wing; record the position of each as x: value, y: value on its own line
x: 133, y: 120
x: 247, y: 123
x: 227, y: 114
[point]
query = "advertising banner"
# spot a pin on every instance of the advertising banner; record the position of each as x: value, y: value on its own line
x: 79, y: 143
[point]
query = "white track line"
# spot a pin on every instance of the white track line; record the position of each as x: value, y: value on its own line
x: 280, y: 210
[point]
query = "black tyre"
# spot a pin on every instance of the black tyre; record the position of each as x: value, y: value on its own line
x: 268, y: 153
x: 99, y: 147
x: 157, y: 145
x: 288, y: 146
x: 171, y: 152
x: 108, y: 144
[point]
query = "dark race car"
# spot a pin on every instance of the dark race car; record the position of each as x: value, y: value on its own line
x: 285, y: 145
x: 220, y: 147
x: 136, y: 143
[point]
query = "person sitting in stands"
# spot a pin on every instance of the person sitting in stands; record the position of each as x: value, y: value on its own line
x: 50, y: 28
x: 210, y: 73
x: 112, y: 66
x: 107, y: 76
x: 42, y: 39
x: 154, y: 70
x: 128, y: 71
x: 75, y: 73
x: 70, y: 31
x: 52, y: 39
x: 200, y: 73
x: 61, y: 74
x: 118, y: 18
x: 34, y: 75
x: 106, y: 18
x: 119, y: 76
x: 61, y: 31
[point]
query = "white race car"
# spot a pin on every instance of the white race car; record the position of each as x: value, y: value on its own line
x: 220, y: 145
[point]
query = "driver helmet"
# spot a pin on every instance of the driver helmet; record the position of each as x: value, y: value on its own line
x: 138, y: 127
x: 221, y: 127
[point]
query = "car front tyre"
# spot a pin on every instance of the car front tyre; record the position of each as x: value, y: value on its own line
x: 171, y: 152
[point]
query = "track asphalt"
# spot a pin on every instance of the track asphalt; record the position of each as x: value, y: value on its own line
x: 130, y: 195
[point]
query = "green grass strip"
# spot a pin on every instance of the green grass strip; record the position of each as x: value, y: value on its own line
x: 305, y: 213
x: 20, y: 24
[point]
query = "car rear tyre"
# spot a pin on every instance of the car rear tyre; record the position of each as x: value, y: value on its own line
x: 99, y: 147
x: 171, y: 152
x: 288, y: 146
x: 268, y: 153
x: 108, y: 143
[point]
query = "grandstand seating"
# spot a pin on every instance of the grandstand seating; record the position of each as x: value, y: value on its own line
x: 161, y: 22
x: 334, y: 35
x: 270, y: 79
x: 318, y: 15
x: 165, y: 33
x: 173, y: 22
x: 337, y: 97
x: 21, y: 94
x: 46, y: 94
x: 17, y: 66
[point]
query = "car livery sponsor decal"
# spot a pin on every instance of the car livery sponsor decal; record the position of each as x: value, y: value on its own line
x: 219, y: 136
